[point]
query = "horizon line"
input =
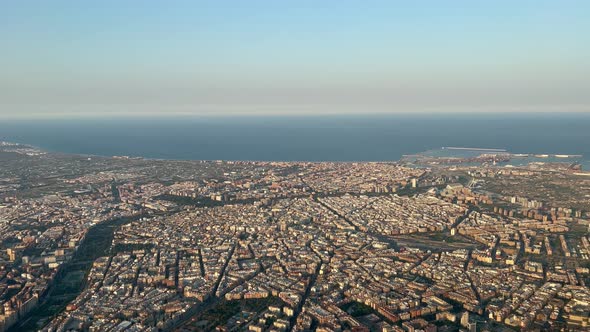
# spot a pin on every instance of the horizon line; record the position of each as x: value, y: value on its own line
x: 89, y: 111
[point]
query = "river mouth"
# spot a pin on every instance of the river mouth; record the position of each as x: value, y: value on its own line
x: 71, y: 278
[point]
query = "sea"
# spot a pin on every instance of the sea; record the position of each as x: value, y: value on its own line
x: 375, y: 137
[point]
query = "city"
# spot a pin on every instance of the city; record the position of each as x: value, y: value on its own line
x: 131, y: 244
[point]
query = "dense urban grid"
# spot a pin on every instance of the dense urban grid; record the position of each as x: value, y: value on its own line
x: 129, y: 244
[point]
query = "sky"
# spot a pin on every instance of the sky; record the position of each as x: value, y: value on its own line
x: 220, y: 57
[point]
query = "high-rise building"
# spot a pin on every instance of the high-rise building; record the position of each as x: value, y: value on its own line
x: 465, y: 319
x: 11, y: 254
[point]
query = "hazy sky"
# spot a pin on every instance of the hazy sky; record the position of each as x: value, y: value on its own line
x: 318, y: 56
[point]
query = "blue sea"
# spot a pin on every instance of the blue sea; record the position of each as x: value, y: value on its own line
x: 309, y: 138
